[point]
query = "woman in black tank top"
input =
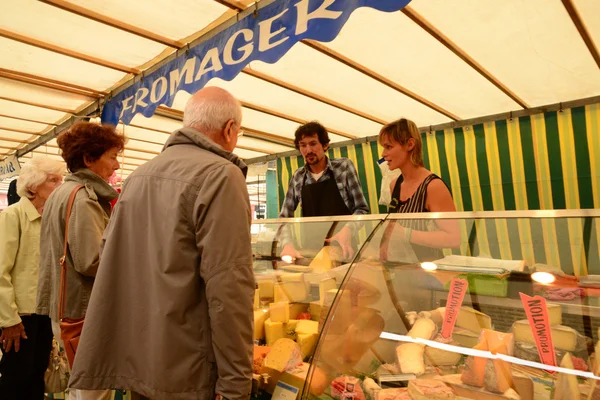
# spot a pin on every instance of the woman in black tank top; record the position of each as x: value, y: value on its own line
x: 417, y: 190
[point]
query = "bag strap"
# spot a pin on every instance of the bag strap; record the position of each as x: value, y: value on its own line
x: 63, y: 259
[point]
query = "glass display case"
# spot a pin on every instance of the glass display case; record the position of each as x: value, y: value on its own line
x: 490, y: 305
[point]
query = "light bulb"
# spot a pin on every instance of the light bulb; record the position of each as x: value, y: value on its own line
x: 428, y: 266
x: 543, y: 277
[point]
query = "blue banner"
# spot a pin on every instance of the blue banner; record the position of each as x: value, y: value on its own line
x: 265, y: 35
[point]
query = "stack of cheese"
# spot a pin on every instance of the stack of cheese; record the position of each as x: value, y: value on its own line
x: 280, y: 325
x: 493, y: 375
x: 564, y: 338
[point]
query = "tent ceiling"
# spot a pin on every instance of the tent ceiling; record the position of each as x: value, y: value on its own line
x: 434, y: 62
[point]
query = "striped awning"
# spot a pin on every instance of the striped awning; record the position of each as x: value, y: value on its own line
x: 434, y: 62
x: 543, y: 161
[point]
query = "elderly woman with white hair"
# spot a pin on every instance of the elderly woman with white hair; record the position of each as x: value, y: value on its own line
x: 26, y: 337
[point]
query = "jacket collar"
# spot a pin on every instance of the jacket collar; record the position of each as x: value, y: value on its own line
x: 88, y: 178
x: 192, y: 136
x: 30, y: 210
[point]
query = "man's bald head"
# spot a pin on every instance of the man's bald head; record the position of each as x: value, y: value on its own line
x: 215, y: 113
x: 209, y: 110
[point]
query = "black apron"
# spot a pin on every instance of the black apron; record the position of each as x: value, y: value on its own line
x: 321, y: 199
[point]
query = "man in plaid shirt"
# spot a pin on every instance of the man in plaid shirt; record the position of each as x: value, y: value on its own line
x: 323, y: 187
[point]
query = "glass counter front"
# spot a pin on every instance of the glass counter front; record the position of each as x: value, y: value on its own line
x: 498, y: 305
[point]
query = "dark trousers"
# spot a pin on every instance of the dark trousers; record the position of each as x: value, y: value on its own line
x: 22, y: 373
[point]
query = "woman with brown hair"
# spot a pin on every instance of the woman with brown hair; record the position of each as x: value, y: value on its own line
x: 90, y: 151
x: 417, y: 190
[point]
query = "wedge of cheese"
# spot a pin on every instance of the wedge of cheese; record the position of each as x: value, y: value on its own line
x: 285, y: 355
x: 328, y: 258
x: 473, y: 320
x: 410, y: 358
x: 563, y: 337
x: 423, y: 328
x: 566, y: 385
x: 498, y: 376
x: 474, y: 372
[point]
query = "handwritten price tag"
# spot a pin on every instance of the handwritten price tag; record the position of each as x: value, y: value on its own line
x: 539, y: 321
x: 456, y: 295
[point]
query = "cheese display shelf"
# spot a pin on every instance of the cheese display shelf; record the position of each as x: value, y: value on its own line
x: 491, y: 305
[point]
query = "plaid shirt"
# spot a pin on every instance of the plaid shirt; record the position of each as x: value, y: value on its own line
x: 346, y: 177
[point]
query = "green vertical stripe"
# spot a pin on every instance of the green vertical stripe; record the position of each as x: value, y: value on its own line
x: 425, y: 151
x: 463, y: 173
x: 505, y: 166
x: 362, y: 175
x: 515, y: 239
x: 300, y: 163
x: 280, y: 184
x: 443, y: 157
x: 344, y: 152
x: 531, y: 179
x: 330, y: 154
x: 558, y: 191
x: 563, y: 238
x: 484, y: 168
x: 537, y: 239
x: 582, y: 158
x: 272, y: 203
x: 556, y: 171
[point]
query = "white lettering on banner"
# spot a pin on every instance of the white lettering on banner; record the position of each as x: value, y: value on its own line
x: 212, y: 57
x: 264, y: 41
x: 125, y: 106
x: 139, y: 98
x: 322, y: 12
x: 187, y: 71
x: 248, y: 48
x: 163, y: 89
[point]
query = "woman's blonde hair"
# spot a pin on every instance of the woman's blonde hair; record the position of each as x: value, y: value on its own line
x: 35, y: 172
x: 401, y: 131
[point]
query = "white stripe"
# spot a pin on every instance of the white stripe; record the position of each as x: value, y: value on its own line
x: 485, y: 354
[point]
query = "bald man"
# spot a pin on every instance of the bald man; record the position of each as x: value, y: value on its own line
x: 171, y: 313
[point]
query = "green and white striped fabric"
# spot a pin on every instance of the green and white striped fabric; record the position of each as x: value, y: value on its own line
x: 544, y: 161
